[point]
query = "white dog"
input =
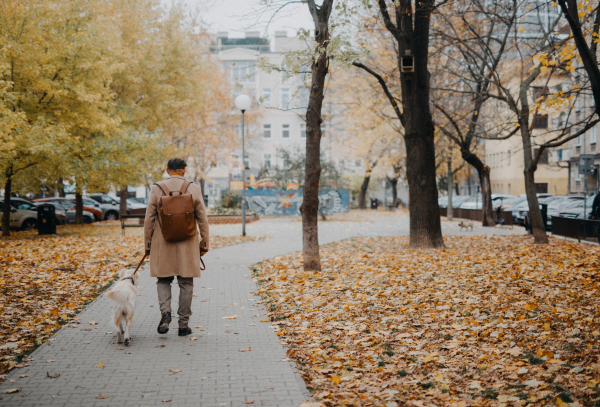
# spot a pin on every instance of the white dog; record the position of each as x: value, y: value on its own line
x: 124, y: 294
x: 465, y: 225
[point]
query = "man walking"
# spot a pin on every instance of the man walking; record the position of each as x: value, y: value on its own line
x: 171, y: 254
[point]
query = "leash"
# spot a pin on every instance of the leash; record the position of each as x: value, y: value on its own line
x: 139, y: 265
x: 144, y: 258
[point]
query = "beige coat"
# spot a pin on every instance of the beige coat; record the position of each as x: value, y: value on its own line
x: 174, y: 258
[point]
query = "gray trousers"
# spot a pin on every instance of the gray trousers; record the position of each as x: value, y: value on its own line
x: 186, y: 291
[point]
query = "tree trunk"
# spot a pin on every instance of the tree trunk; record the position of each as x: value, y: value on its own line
x: 425, y: 226
x: 449, y: 211
x: 487, y: 218
x: 6, y: 205
x: 362, y: 195
x: 310, y: 202
x: 78, y: 208
x: 61, y: 188
x: 202, y: 181
x: 535, y: 214
x: 123, y: 203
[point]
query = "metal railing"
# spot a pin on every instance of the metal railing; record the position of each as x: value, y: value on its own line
x: 579, y: 229
x: 477, y: 214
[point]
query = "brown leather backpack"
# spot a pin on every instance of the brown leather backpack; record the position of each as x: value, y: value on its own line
x: 176, y: 213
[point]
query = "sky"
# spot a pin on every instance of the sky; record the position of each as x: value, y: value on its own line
x: 238, y: 16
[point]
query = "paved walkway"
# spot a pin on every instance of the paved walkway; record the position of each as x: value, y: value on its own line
x: 208, y: 371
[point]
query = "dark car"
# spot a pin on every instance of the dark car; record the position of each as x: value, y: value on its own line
x: 70, y: 204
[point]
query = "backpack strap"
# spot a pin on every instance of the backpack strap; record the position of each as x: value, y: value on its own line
x: 184, y: 187
x: 163, y: 187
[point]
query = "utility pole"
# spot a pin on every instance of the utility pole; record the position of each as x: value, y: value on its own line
x: 449, y: 211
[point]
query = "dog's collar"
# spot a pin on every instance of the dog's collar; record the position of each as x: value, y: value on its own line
x: 128, y: 278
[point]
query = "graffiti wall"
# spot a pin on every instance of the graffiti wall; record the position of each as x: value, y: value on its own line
x: 287, y: 203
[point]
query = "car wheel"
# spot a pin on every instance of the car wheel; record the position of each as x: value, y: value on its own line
x: 111, y: 216
x: 87, y: 220
x: 29, y: 224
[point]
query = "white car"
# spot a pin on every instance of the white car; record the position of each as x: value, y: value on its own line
x: 475, y: 201
x: 23, y: 215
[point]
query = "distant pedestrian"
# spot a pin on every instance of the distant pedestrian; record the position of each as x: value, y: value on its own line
x: 595, y: 214
x: 175, y: 207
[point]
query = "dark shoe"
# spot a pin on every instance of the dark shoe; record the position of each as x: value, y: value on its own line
x: 185, y: 331
x: 163, y: 326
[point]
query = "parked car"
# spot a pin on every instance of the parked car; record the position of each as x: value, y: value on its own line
x: 66, y: 205
x: 108, y: 205
x: 143, y: 201
x: 576, y: 212
x: 508, y: 203
x: 70, y: 204
x: 554, y: 202
x: 475, y: 201
x: 133, y: 203
x: 23, y: 215
x: 557, y: 206
x: 443, y: 200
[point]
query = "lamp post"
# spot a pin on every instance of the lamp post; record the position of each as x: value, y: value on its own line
x: 243, y: 102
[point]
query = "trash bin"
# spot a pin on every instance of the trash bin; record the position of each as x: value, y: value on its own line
x: 544, y: 209
x: 46, y: 219
x: 374, y: 203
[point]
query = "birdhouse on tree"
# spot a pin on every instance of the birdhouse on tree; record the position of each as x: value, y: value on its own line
x: 407, y: 62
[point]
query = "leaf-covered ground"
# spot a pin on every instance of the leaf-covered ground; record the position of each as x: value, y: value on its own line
x: 486, y: 321
x: 46, y: 281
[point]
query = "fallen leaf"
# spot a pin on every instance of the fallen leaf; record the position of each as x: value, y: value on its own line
x: 53, y: 375
x: 11, y: 391
x: 102, y: 397
x: 100, y: 364
x: 175, y: 370
x: 248, y: 402
x: 193, y: 338
x: 245, y: 350
x: 93, y: 323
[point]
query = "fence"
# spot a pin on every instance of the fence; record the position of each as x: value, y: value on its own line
x: 579, y: 229
x: 476, y: 214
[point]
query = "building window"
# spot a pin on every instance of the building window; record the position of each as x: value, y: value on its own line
x: 543, y: 158
x: 540, y: 121
x: 267, y: 160
x: 241, y: 71
x: 285, y: 130
x: 285, y: 98
x: 578, y: 141
x: 303, y: 94
x: 541, y: 187
x: 593, y: 135
x: 266, y: 95
x: 540, y: 92
x: 266, y: 130
x: 303, y: 130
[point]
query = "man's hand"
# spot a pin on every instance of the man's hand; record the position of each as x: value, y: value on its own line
x: 147, y: 253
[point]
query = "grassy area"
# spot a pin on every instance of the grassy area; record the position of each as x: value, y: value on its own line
x: 486, y: 321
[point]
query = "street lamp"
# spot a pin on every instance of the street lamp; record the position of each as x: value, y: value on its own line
x: 243, y: 102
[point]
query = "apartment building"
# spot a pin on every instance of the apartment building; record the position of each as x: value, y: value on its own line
x: 280, y: 101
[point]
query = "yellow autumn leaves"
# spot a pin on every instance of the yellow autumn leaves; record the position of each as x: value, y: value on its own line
x: 486, y: 320
x: 92, y: 91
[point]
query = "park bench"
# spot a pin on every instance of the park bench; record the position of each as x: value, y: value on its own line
x: 133, y: 214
